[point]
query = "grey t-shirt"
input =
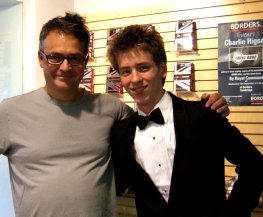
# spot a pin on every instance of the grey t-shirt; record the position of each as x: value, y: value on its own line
x: 59, y: 154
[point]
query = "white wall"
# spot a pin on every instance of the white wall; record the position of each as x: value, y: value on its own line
x: 10, y: 50
x: 91, y: 6
x: 36, y: 13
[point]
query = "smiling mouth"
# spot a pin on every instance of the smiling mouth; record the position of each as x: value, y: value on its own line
x: 138, y: 90
x: 65, y: 76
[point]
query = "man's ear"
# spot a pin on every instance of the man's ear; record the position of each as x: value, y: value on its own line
x: 40, y: 59
x: 86, y: 60
x: 163, y: 69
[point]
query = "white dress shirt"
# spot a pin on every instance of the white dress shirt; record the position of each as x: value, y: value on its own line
x: 155, y: 147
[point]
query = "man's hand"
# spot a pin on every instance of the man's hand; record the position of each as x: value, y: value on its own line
x: 216, y: 102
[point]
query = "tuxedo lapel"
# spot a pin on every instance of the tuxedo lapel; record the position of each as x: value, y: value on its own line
x: 183, y: 149
x: 129, y: 125
x: 121, y: 140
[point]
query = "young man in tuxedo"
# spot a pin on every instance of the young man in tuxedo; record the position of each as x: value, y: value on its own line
x: 174, y: 162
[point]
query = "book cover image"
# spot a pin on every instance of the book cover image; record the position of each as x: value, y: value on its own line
x: 112, y: 33
x: 91, y: 45
x: 87, y: 81
x: 183, y: 76
x: 113, y: 82
x: 149, y: 27
x: 185, y: 37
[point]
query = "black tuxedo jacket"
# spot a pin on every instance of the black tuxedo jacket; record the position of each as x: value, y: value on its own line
x: 203, y: 140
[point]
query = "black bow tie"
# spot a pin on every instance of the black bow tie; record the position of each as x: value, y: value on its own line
x: 155, y: 116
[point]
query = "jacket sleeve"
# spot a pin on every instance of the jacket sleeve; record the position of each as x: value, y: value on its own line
x: 247, y: 189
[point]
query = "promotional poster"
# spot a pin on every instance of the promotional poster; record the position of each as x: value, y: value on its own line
x: 240, y: 67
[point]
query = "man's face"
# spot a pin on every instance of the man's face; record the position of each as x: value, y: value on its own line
x: 64, y: 77
x: 141, y: 78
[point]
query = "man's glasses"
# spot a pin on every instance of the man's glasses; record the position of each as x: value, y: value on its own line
x: 57, y: 59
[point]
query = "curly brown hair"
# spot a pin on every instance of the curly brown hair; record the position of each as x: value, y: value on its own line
x: 144, y: 37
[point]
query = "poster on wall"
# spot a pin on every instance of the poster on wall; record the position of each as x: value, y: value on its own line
x: 240, y: 64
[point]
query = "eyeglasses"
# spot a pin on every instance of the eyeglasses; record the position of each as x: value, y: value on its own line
x: 57, y: 59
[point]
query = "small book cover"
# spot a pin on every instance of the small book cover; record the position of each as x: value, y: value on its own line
x: 91, y: 45
x: 185, y: 39
x: 183, y: 76
x: 149, y: 27
x: 111, y: 33
x: 87, y: 81
x: 113, y: 82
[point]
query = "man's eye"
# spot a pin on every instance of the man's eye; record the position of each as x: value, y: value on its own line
x: 55, y: 58
x: 143, y: 68
x: 124, y: 72
x: 76, y: 59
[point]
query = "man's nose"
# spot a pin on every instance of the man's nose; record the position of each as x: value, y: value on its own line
x: 135, y: 76
x: 65, y: 65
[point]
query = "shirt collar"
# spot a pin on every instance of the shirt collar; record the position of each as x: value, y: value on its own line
x: 165, y: 104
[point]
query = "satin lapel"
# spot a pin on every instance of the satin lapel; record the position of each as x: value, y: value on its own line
x: 182, y: 152
x: 130, y: 128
